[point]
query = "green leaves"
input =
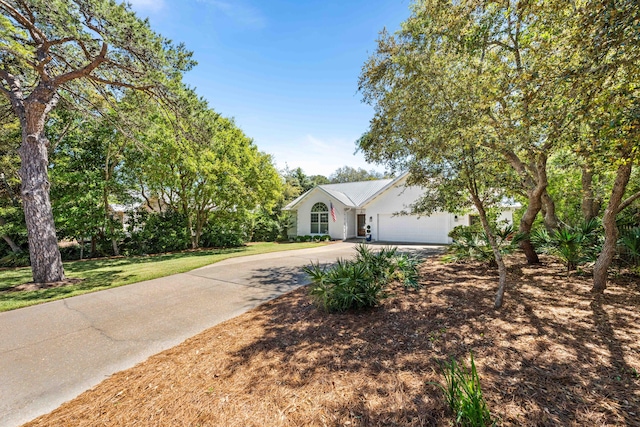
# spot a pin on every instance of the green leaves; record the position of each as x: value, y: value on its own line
x: 360, y: 283
x: 463, y: 394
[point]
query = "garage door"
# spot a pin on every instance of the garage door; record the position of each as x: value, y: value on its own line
x: 413, y: 229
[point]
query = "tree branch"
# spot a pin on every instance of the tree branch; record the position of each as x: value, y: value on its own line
x: 627, y: 202
x: 36, y: 34
x: 84, y: 71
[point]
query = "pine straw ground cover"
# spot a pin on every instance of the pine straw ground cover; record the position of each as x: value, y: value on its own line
x: 552, y: 356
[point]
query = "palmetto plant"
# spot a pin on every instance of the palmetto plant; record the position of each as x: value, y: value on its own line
x: 630, y: 242
x: 362, y: 282
x: 573, y: 245
x: 472, y: 244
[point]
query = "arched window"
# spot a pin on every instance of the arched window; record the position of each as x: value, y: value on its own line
x: 319, y: 219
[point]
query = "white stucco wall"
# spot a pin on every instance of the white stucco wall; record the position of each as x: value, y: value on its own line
x: 337, y: 229
x: 386, y: 226
x: 379, y: 214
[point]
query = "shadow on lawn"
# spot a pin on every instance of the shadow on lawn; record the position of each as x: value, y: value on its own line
x: 92, y: 264
x: 93, y: 281
x: 554, y: 355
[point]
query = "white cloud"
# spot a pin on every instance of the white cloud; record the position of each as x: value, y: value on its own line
x: 243, y: 14
x: 147, y: 5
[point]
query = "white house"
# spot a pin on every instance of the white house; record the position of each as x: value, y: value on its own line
x: 345, y: 210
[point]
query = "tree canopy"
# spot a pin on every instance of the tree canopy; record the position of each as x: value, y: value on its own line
x: 522, y: 81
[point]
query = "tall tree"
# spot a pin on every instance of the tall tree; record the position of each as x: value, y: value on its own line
x: 607, y: 75
x: 60, y: 48
x: 349, y: 174
x: 201, y: 164
x: 501, y: 51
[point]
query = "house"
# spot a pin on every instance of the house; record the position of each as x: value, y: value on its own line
x: 350, y: 210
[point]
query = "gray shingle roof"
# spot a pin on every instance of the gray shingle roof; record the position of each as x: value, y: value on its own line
x: 356, y: 192
x: 352, y: 194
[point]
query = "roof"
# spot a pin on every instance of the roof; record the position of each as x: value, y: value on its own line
x: 351, y: 194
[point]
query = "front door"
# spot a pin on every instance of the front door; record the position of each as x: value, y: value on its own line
x: 362, y: 231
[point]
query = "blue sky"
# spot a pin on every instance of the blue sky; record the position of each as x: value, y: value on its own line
x: 286, y: 70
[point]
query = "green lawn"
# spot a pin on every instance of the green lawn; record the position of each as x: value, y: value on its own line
x: 109, y: 273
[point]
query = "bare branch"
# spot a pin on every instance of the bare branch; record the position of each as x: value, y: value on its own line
x: 84, y: 71
x: 628, y: 201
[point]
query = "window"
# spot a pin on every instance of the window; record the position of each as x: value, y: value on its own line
x: 319, y: 219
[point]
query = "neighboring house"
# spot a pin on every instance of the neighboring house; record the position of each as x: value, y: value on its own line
x: 150, y: 205
x: 377, y: 204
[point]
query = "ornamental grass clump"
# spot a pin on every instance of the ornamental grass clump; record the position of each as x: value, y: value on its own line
x: 463, y: 394
x: 360, y: 283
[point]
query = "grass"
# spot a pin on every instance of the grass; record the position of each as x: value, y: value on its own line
x: 112, y: 272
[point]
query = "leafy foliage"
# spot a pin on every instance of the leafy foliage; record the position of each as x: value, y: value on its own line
x: 463, y: 394
x: 471, y: 243
x: 151, y: 233
x: 362, y: 282
x: 630, y: 242
x: 573, y: 245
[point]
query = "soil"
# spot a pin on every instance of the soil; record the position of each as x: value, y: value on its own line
x: 554, y: 355
x: 34, y: 286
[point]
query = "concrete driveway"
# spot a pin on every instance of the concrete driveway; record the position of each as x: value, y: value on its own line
x: 52, y: 352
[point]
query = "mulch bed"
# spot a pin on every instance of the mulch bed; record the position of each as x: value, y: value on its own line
x: 552, y: 356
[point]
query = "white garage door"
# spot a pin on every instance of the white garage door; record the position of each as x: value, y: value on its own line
x: 410, y: 228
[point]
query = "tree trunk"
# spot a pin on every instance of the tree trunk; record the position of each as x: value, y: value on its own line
x: 601, y: 269
x: 93, y: 246
x: 502, y: 269
x: 14, y: 248
x: 550, y: 217
x: 589, y: 205
x: 46, y: 263
x: 525, y: 227
x: 534, y: 179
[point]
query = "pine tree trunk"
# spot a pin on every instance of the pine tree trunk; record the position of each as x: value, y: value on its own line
x: 601, y: 269
x: 46, y: 263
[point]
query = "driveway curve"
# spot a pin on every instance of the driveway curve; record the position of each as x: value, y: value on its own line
x: 52, y: 352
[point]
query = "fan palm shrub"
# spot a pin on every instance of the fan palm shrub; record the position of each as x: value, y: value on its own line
x: 362, y: 282
x: 472, y: 244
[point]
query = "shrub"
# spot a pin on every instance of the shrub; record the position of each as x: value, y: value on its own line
x: 345, y: 286
x: 13, y: 259
x: 156, y: 233
x: 362, y: 282
x: 463, y: 394
x: 471, y: 243
x: 223, y: 234
x: 630, y: 246
x: 573, y: 245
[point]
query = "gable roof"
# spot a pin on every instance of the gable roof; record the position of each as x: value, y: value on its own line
x: 351, y: 194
